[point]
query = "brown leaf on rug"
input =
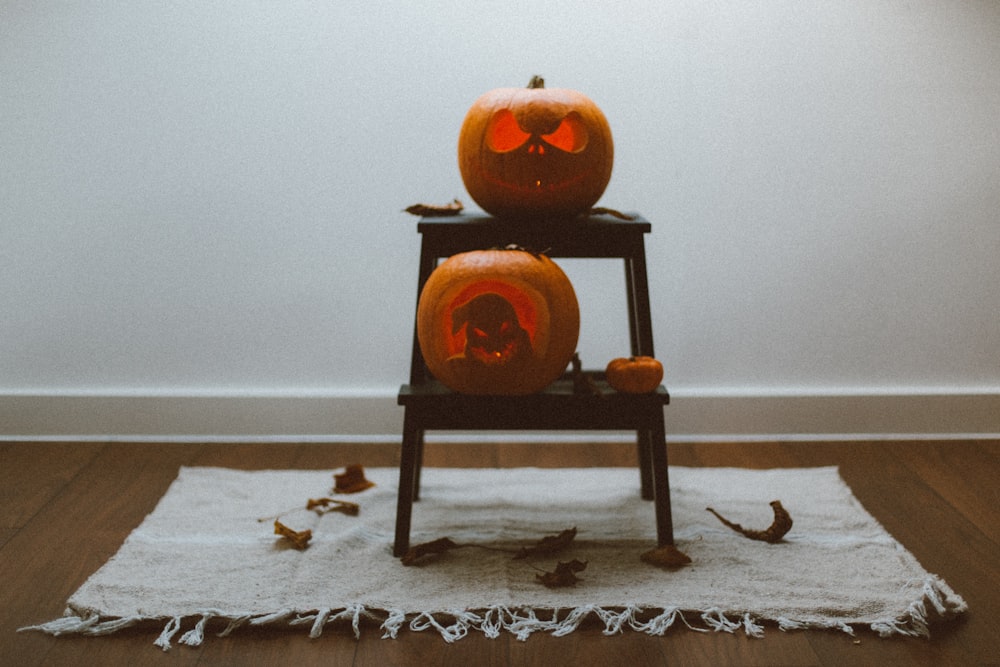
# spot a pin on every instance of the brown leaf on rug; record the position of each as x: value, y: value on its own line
x: 418, y: 551
x: 548, y: 544
x: 564, y: 575
x: 667, y: 556
x: 432, y: 210
x: 298, y: 538
x: 352, y: 480
x: 324, y: 505
x: 781, y: 525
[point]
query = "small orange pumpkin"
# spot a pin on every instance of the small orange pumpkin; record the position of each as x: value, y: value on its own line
x: 634, y: 375
x: 500, y: 322
x: 535, y: 152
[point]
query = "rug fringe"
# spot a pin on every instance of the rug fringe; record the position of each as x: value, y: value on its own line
x: 936, y: 600
x: 163, y: 641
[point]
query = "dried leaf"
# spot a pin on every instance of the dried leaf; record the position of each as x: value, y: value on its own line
x: 418, y: 551
x: 583, y: 383
x: 548, y: 544
x: 667, y: 556
x: 782, y: 524
x: 352, y: 480
x: 433, y: 210
x: 564, y: 575
x: 322, y: 505
x: 298, y: 538
x: 600, y: 210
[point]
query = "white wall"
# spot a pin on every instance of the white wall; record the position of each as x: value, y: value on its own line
x: 200, y: 205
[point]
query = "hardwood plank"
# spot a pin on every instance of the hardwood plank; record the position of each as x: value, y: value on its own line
x: 941, y: 539
x: 73, y: 535
x: 588, y: 646
x: 428, y: 648
x: 28, y: 479
x: 961, y: 473
x: 687, y: 647
x: 266, y: 647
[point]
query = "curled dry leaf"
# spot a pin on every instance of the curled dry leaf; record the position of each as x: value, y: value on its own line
x: 583, y: 383
x: 782, y: 524
x: 432, y: 210
x: 564, y: 574
x: 418, y: 551
x: 298, y: 538
x: 352, y: 480
x: 668, y: 556
x: 548, y: 544
x: 323, y: 505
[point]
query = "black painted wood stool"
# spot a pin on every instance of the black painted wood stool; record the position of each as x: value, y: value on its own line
x: 429, y: 405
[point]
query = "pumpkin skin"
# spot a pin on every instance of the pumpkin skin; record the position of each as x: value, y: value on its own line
x: 535, y: 152
x: 634, y: 375
x: 500, y: 322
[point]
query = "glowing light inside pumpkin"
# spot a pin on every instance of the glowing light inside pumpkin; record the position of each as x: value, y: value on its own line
x: 504, y: 134
x: 492, y: 322
x: 571, y: 135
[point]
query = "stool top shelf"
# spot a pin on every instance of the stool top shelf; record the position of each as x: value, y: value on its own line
x: 592, y: 236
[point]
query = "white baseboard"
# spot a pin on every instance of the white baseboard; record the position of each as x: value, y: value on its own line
x: 375, y: 417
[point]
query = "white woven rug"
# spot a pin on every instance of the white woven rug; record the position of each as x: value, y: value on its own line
x: 203, y: 555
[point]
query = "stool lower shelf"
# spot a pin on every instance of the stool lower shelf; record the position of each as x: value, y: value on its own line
x: 432, y: 406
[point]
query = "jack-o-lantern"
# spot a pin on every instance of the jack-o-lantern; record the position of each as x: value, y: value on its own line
x: 535, y: 152
x: 502, y: 322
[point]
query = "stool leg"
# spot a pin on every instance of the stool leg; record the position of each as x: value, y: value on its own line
x: 661, y: 485
x: 418, y: 464
x: 644, y: 447
x: 407, y: 482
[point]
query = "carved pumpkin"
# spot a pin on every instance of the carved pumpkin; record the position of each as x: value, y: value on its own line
x: 634, y: 375
x: 497, y: 322
x: 535, y: 152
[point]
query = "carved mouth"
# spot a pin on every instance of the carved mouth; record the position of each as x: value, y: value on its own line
x: 494, y: 357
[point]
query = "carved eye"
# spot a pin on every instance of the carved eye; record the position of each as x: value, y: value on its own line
x: 571, y: 136
x: 504, y: 135
x: 479, y: 333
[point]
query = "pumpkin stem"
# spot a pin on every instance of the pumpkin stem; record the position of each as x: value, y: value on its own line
x: 536, y: 82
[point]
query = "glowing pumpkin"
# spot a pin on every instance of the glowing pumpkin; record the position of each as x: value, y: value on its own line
x: 535, y: 152
x: 499, y: 322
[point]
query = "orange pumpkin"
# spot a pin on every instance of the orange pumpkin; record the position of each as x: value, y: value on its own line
x: 535, y: 152
x: 497, y: 322
x: 634, y: 375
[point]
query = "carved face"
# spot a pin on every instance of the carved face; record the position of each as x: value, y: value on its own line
x: 497, y: 322
x: 493, y: 334
x: 535, y: 152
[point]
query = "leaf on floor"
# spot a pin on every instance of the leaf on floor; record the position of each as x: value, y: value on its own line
x: 298, y: 538
x: 418, y: 551
x: 564, y: 574
x: 549, y: 544
x: 779, y: 527
x: 352, y: 480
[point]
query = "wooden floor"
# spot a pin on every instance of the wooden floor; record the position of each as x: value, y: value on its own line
x: 66, y: 507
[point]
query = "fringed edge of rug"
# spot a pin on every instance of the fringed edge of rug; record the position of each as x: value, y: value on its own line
x: 936, y: 601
